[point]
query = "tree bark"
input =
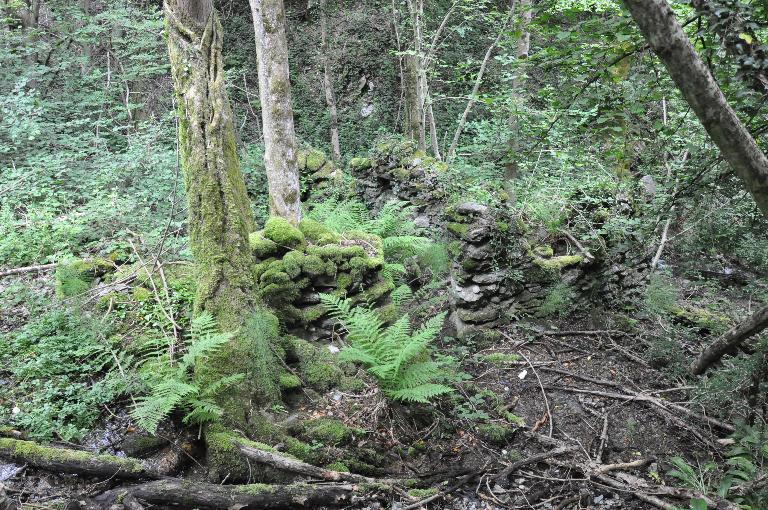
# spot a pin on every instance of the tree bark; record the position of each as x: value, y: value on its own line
x: 296, y: 466
x: 330, y: 96
x: 417, y: 77
x: 276, y: 110
x: 219, y: 212
x: 730, y: 341
x: 667, y: 39
x: 61, y: 460
x: 194, y: 494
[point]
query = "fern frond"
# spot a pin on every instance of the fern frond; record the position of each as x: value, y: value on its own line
x: 401, y: 296
x: 206, y: 339
x: 422, y: 393
x: 419, y: 373
x: 216, y: 386
x: 202, y: 411
x: 356, y: 355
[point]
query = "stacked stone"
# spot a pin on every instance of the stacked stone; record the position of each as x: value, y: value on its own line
x: 395, y: 170
x: 294, y: 265
x: 320, y: 177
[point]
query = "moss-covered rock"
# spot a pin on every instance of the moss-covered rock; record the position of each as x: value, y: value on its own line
x: 316, y: 366
x: 289, y: 381
x: 557, y: 264
x: 75, y: 276
x: 281, y: 232
x: 262, y: 247
x: 328, y: 431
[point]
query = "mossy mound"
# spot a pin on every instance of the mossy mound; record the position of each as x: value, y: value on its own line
x: 75, y: 276
x: 315, y: 366
x: 296, y: 264
x: 329, y: 432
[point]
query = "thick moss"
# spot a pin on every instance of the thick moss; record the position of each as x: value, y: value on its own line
x: 556, y: 264
x: 338, y: 466
x: 316, y: 365
x: 328, y: 431
x: 313, y: 230
x: 289, y: 381
x: 283, y: 233
x: 75, y: 276
x: 315, y: 159
x: 544, y: 251
x: 360, y: 164
x: 34, y: 452
x: 493, y: 433
x: 458, y: 229
x: 335, y: 253
x: 261, y: 246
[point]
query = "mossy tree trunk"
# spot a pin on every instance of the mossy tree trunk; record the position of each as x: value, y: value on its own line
x: 276, y: 110
x: 220, y: 216
x: 219, y: 212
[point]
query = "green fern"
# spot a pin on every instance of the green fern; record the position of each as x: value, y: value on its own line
x: 396, y: 356
x: 170, y: 382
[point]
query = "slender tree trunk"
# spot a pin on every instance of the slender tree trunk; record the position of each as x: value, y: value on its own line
x: 730, y: 341
x: 330, y: 96
x: 475, y: 90
x: 219, y: 213
x: 416, y: 74
x: 276, y: 109
x: 513, y: 123
x: 667, y: 39
x: 433, y: 129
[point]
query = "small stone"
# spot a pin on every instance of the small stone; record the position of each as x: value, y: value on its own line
x: 471, y: 208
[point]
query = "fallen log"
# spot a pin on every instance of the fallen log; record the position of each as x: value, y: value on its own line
x: 62, y: 460
x: 730, y: 341
x: 295, y: 466
x: 201, y: 495
x: 28, y: 269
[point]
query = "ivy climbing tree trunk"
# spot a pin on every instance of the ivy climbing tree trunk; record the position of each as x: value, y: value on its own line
x: 219, y: 213
x: 276, y: 110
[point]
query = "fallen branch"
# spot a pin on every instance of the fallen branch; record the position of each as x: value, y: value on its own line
x: 296, y: 466
x: 193, y: 494
x: 28, y: 269
x: 730, y: 341
x: 62, y: 460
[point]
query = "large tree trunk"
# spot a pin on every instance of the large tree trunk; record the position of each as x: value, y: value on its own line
x: 665, y: 35
x: 219, y: 212
x: 276, y: 110
x: 330, y: 95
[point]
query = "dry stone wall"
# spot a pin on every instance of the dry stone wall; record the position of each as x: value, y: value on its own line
x: 502, y: 265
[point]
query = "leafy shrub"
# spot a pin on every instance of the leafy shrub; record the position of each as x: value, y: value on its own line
x: 65, y: 375
x: 170, y: 382
x: 397, y: 357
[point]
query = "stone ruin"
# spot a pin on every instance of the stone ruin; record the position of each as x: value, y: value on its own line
x: 503, y: 266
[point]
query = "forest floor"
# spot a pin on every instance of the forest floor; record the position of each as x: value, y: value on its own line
x: 573, y: 405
